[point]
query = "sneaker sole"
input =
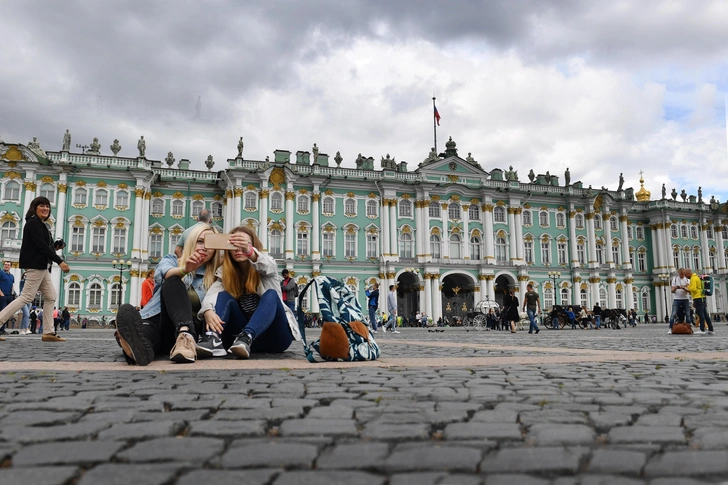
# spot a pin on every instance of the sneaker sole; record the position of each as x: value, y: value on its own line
x: 240, y: 351
x: 181, y: 359
x: 127, y: 327
x: 205, y: 353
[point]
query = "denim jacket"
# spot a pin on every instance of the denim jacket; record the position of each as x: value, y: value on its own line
x: 194, y: 280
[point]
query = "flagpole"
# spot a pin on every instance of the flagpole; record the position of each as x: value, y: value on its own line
x: 434, y: 123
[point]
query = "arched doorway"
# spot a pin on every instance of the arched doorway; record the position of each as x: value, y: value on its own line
x: 503, y: 284
x: 408, y: 288
x: 457, y: 296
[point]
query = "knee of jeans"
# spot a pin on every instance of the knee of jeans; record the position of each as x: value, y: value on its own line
x: 269, y: 296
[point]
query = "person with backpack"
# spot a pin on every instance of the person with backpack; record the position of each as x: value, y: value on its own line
x: 289, y: 290
x: 373, y: 294
x: 701, y: 311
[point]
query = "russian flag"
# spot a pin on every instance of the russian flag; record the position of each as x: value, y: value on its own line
x: 437, y: 115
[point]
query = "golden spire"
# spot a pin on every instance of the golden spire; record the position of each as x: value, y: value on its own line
x: 642, y: 194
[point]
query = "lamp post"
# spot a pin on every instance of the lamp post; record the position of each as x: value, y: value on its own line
x: 664, y: 278
x: 122, y: 266
x: 553, y: 276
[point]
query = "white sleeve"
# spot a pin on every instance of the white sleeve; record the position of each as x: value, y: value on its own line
x: 210, y: 300
x: 265, y: 264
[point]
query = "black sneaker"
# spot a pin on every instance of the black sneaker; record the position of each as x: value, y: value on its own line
x: 129, y: 328
x: 241, y: 347
x: 210, y: 345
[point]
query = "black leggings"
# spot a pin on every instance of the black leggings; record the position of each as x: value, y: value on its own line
x: 161, y: 330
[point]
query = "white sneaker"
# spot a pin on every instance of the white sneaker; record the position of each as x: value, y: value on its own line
x: 711, y: 332
x: 700, y: 332
x: 669, y: 332
x: 395, y: 331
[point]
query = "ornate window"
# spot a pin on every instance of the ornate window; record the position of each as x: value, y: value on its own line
x: 527, y: 219
x: 641, y: 262
x: 684, y: 231
x: 603, y: 297
x: 435, y: 246
x: 251, y: 201
x: 197, y: 206
x: 564, y: 297
x: 724, y: 232
x: 635, y: 301
x: 119, y: 245
x: 629, y: 233
x: 122, y: 199
x: 711, y: 257
x: 545, y: 252
x: 597, y: 221
x: 560, y: 220
x: 350, y: 207
x: 646, y: 300
x: 115, y: 295
x: 613, y: 223
x: 78, y: 238
x: 474, y: 212
x: 327, y: 244
x: 453, y: 210
x: 454, y: 246
x: 528, y: 251
x: 405, y: 245
x: 693, y: 232
x: 98, y: 239
x: 640, y: 233
x: 178, y: 208
x: 327, y: 206
x: 584, y: 298
x: 709, y: 232
x: 12, y: 191
x: 676, y: 257
x: 543, y: 218
x: 372, y: 208
x: 580, y: 253
x: 350, y: 244
x: 79, y: 196
x: 501, y: 256
x: 276, y: 201
x: 434, y: 210
x: 94, y: 295
x: 600, y: 253
x: 561, y: 250
x: 74, y: 295
x: 302, y: 204
x: 276, y: 243
x: 216, y: 209
x: 372, y: 251
x: 475, y: 246
x: 615, y: 252
x: 155, y: 245
x: 302, y: 243
x: 48, y: 191
x: 579, y: 221
x: 696, y: 259
x: 548, y: 298
x: 499, y: 214
x: 158, y: 207
x: 8, y: 231
x: 405, y: 208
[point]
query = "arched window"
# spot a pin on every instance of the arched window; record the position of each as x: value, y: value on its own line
x: 696, y: 259
x: 74, y: 295
x: 453, y: 210
x: 684, y: 231
x: 372, y: 208
x: 635, y: 300
x: 500, y: 250
x: 94, y: 295
x: 676, y: 256
x: 475, y: 246
x: 640, y: 233
x: 350, y: 207
x: 693, y: 232
x: 8, y: 231
x: 350, y: 244
x: 724, y: 232
x: 454, y: 246
x: 565, y: 297
x: 197, y: 206
x: 711, y: 257
x: 629, y: 232
x: 48, y: 191
x: 499, y: 214
x: 405, y: 245
x: 122, y: 199
x: 474, y: 212
x: 216, y: 209
x: 79, y: 196
x: 584, y: 298
x: 251, y: 201
x: 543, y: 218
x: 561, y: 252
x: 560, y: 219
x: 115, y: 295
x: 548, y: 298
x: 620, y: 303
x: 302, y: 204
x: 528, y: 251
x: 580, y: 252
x: 641, y: 262
x: 405, y: 208
x: 178, y: 208
x: 327, y: 206
x: 646, y: 301
x: 545, y: 251
x: 435, y: 246
x: 527, y: 221
x: 372, y: 250
x: 579, y: 221
x: 603, y: 297
x: 673, y: 231
x: 600, y: 253
x: 597, y: 221
x: 613, y: 223
x: 12, y: 191
x: 276, y: 201
x: 709, y: 232
x: 615, y: 253
x: 158, y: 207
x: 302, y: 243
x: 434, y: 210
x: 276, y: 243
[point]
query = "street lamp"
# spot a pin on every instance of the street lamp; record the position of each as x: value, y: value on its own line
x: 122, y: 266
x: 553, y: 276
x: 664, y: 278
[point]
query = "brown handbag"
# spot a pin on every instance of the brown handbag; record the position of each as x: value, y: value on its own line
x: 682, y: 329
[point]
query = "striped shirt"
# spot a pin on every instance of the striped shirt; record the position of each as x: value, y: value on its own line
x: 248, y: 304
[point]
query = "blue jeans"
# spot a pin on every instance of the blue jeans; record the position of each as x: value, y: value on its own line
x: 598, y: 321
x: 373, y: 317
x: 291, y: 305
x: 268, y: 325
x: 26, y: 317
x: 532, y: 316
x: 676, y: 306
x: 701, y: 311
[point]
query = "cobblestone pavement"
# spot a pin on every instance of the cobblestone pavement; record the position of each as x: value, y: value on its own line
x: 656, y: 414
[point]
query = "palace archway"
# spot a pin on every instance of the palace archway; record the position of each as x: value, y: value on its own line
x: 458, y: 295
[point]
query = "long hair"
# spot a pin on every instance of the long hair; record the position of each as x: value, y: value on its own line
x: 189, y: 248
x: 34, y: 206
x: 240, y: 278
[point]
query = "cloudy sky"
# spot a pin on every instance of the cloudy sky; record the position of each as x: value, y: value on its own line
x: 599, y: 87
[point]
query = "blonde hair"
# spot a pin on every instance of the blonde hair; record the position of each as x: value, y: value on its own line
x: 189, y: 249
x: 240, y: 278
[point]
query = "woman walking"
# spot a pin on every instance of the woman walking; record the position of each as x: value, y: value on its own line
x: 512, y: 313
x: 37, y: 255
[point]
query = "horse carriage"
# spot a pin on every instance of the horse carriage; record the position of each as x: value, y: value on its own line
x: 477, y: 319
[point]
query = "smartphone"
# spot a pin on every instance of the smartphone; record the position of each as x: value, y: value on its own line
x: 218, y: 241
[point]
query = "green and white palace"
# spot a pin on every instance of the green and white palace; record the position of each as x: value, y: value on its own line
x: 448, y: 233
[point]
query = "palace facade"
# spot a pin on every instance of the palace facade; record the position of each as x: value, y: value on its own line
x: 448, y: 233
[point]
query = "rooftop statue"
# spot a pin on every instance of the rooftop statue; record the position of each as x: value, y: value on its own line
x: 621, y: 182
x: 241, y: 145
x: 664, y: 192
x: 470, y: 159
x: 115, y: 147
x: 209, y: 163
x: 338, y: 158
x: 142, y: 147
x: 34, y: 147
x: 169, y: 159
x: 567, y: 177
x: 674, y: 194
x: 359, y: 161
x: 531, y: 176
x: 700, y: 195
x: 94, y: 147
x: 67, y: 141
x: 683, y: 195
x: 432, y: 156
x: 315, y: 152
x: 512, y: 174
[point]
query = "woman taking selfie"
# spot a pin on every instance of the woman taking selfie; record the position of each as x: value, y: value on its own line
x: 167, y: 323
x: 244, y: 308
x: 37, y: 255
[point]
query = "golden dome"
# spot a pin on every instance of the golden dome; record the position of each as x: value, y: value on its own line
x: 642, y: 194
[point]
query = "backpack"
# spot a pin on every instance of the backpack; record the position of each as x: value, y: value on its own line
x: 707, y: 281
x: 344, y: 338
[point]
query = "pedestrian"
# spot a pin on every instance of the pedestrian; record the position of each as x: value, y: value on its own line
x: 244, y: 307
x: 167, y: 325
x: 532, y: 305
x: 701, y: 311
x: 289, y: 290
x: 647, y: 316
x: 584, y: 318
x: 25, y: 322
x: 147, y: 288
x: 33, y: 318
x: 572, y: 318
x: 7, y: 282
x: 680, y: 302
x: 423, y: 320
x: 40, y: 321
x: 392, y: 309
x: 512, y: 310
x: 597, y: 312
x: 66, y: 319
x: 372, y: 292
x: 56, y: 318
x: 37, y: 256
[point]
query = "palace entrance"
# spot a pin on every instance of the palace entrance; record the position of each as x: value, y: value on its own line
x: 503, y: 284
x: 408, y: 292
x: 457, y: 296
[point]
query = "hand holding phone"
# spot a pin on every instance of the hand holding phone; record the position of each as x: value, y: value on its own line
x: 218, y: 241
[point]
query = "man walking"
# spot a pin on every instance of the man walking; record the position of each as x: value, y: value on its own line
x: 532, y: 304
x: 289, y: 290
x: 373, y: 294
x: 680, y: 302
x: 597, y: 312
x: 701, y: 311
x: 7, y: 282
x: 392, y: 310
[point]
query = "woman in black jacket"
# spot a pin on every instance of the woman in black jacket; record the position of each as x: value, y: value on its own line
x: 37, y: 257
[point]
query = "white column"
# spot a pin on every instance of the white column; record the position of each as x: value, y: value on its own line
x: 131, y: 288
x: 704, y: 245
x: 465, y: 253
x: 606, y: 216
x: 594, y: 287
x: 488, y: 229
x: 720, y: 252
x: 656, y: 257
x: 60, y: 207
x: 667, y: 251
x: 425, y: 233
x: 393, y: 227
x: 513, y: 236
x: 419, y: 231
x: 576, y: 292
x: 237, y: 194
x: 661, y: 265
x: 263, y: 218
x: 445, y: 232
x: 428, y: 295
x: 612, y: 292
x: 572, y: 241
x: 629, y: 291
x: 438, y: 296
x: 136, y: 244
x: 625, y: 242
x: 145, y: 224
x: 385, y: 227
x: 519, y: 236
x: 422, y: 304
x: 290, y: 236
x: 522, y: 282
x: 489, y: 288
x: 591, y: 241
x: 316, y: 238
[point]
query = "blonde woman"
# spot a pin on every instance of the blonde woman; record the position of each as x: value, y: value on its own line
x: 244, y: 309
x: 167, y: 324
